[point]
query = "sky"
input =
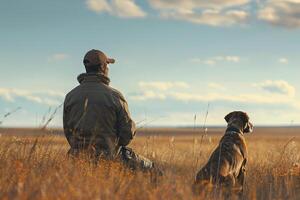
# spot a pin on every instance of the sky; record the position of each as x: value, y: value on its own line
x: 175, y: 59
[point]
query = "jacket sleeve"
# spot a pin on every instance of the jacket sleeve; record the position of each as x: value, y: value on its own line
x: 67, y: 130
x: 126, y: 126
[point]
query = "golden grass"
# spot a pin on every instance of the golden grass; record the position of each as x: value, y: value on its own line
x: 39, y: 169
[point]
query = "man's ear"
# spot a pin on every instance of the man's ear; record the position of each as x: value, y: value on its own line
x: 248, y: 128
x: 228, y: 117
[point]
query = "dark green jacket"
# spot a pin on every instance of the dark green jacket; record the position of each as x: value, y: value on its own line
x: 97, y: 115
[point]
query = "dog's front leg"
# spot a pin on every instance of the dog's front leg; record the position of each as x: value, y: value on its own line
x: 241, y: 176
x: 241, y: 180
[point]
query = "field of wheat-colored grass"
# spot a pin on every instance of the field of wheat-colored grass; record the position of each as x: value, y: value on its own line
x: 36, y: 167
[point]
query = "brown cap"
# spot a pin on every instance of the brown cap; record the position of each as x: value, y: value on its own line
x: 95, y: 57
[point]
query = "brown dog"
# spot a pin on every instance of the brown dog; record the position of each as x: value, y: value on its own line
x: 226, y: 165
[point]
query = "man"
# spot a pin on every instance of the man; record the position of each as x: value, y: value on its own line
x: 96, y: 118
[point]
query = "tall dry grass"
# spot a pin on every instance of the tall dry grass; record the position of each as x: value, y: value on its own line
x: 33, y: 168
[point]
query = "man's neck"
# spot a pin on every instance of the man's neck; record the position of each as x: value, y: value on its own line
x: 85, y: 77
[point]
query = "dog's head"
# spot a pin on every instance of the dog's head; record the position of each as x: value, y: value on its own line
x: 240, y: 119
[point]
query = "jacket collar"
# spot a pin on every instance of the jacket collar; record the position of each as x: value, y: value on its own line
x: 93, y: 77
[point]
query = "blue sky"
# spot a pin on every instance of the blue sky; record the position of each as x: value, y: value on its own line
x: 173, y: 57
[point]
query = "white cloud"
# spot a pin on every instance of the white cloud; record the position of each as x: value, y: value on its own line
x: 209, y: 62
x: 283, y: 60
x: 263, y: 99
x: 157, y: 89
x: 238, y: 98
x: 213, y: 12
x: 51, y: 93
x: 217, y: 59
x: 188, y: 5
x: 211, y: 17
x: 120, y: 8
x: 277, y: 87
x: 216, y: 86
x: 148, y: 95
x: 196, y: 60
x: 50, y: 98
x: 128, y: 8
x: 232, y: 59
x: 6, y: 95
x: 160, y: 85
x: 279, y: 93
x: 98, y: 5
x: 58, y: 57
x: 280, y: 12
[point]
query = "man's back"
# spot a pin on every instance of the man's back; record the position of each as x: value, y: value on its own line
x: 96, y: 121
x: 97, y: 115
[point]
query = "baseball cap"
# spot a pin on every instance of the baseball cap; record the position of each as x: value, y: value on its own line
x: 95, y: 57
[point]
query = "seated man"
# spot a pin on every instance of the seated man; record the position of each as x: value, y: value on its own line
x: 96, y: 117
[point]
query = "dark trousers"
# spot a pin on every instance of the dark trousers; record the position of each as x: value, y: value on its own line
x: 125, y: 155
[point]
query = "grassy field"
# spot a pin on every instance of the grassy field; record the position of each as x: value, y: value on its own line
x: 35, y: 166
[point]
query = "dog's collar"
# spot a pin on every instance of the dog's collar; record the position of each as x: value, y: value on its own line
x: 233, y: 129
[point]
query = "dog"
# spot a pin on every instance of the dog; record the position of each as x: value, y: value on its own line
x: 226, y: 165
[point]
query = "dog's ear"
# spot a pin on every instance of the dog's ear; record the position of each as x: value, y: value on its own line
x: 248, y: 125
x: 244, y: 117
x: 248, y: 128
x: 228, y: 117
